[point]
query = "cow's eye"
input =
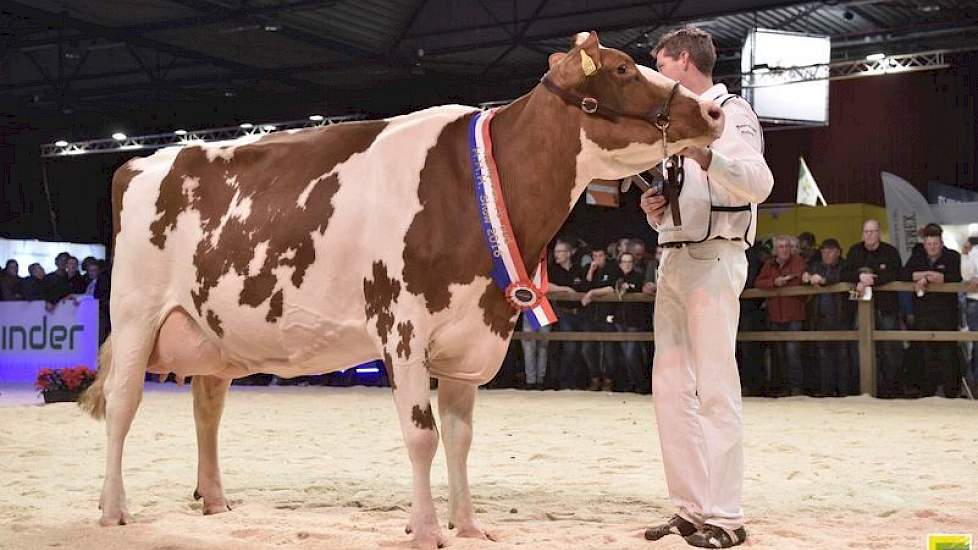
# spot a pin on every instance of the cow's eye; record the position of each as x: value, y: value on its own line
x: 622, y: 69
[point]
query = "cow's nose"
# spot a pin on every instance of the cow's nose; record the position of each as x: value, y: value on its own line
x: 714, y: 111
x: 713, y: 115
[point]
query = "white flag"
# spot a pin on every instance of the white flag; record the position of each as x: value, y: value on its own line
x: 907, y: 211
x: 808, y: 191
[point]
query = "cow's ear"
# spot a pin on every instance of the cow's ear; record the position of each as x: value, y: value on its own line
x: 581, y: 62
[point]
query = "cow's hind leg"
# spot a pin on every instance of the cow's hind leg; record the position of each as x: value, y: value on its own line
x: 455, y: 403
x: 123, y: 390
x: 412, y: 397
x: 209, y: 393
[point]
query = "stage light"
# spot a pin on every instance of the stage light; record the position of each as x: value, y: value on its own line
x: 180, y: 132
x: 268, y: 128
x: 119, y: 136
x: 316, y: 118
x: 876, y: 57
x: 61, y: 143
x: 246, y: 125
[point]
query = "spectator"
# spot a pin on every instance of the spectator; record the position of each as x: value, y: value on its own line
x: 637, y: 249
x: 750, y: 355
x: 76, y: 281
x: 32, y: 286
x: 806, y: 247
x: 599, y: 356
x: 88, y: 260
x: 91, y: 277
x: 830, y: 312
x: 795, y: 245
x: 101, y: 293
x: 652, y: 272
x: 567, y: 276
x: 622, y: 247
x: 633, y: 317
x: 56, y: 286
x: 785, y: 313
x: 969, y: 273
x: 10, y: 284
x: 872, y: 263
x: 935, y: 264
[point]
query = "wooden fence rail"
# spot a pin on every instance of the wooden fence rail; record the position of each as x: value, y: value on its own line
x: 866, y: 334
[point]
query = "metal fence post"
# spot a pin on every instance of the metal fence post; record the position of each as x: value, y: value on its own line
x: 867, y: 347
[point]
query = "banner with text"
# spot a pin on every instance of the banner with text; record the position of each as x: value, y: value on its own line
x: 32, y: 338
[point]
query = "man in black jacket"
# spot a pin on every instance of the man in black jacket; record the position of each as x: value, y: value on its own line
x: 873, y: 263
x: 934, y: 264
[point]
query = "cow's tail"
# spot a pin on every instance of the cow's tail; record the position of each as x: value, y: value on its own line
x: 92, y: 400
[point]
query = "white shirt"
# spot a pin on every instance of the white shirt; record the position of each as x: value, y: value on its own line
x: 738, y: 176
x: 969, y: 269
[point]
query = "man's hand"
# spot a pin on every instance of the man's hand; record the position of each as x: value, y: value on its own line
x: 653, y: 204
x: 816, y: 280
x: 935, y: 277
x: 649, y: 287
x: 783, y: 280
x: 867, y: 279
x: 587, y: 298
x: 920, y: 285
x: 701, y: 155
x: 973, y: 285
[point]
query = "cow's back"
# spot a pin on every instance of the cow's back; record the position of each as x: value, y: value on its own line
x: 267, y: 241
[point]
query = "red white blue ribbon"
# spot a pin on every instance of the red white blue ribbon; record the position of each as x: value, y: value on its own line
x: 508, y: 270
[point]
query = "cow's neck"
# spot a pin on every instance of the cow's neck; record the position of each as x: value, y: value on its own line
x: 536, y: 141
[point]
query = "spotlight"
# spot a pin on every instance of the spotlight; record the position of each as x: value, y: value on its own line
x: 247, y: 125
x: 61, y: 143
x: 876, y: 57
x: 119, y: 136
x: 848, y: 15
x: 316, y: 118
x: 180, y: 132
x: 268, y: 128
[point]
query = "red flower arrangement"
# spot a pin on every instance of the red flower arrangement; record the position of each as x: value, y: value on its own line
x: 72, y: 379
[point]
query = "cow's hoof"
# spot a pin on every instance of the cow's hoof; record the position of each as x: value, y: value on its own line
x: 213, y: 506
x: 122, y: 517
x: 428, y: 537
x: 472, y: 530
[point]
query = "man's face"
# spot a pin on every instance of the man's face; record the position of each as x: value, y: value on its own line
x: 830, y: 255
x: 60, y: 261
x: 672, y: 67
x: 638, y: 249
x: 562, y: 253
x: 71, y: 265
x: 782, y: 250
x: 871, y: 233
x: 598, y: 257
x: 38, y: 272
x: 12, y: 269
x: 933, y: 246
x: 92, y: 271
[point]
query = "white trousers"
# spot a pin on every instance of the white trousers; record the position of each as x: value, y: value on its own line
x: 695, y: 383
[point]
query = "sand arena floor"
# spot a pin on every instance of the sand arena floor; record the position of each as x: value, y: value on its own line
x: 326, y: 468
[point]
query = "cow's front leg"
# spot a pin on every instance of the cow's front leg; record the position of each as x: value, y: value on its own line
x: 455, y: 403
x: 412, y: 396
x: 209, y: 393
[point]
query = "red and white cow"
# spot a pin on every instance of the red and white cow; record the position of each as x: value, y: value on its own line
x: 311, y: 251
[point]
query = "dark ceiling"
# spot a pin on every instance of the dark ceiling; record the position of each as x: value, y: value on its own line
x: 75, y: 61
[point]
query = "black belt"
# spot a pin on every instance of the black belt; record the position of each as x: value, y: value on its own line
x: 681, y: 244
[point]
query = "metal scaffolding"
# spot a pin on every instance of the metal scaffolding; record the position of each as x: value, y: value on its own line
x: 184, y: 137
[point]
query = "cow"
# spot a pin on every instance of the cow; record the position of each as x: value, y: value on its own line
x: 305, y: 252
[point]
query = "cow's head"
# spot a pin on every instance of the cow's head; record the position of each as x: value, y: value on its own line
x: 618, y: 146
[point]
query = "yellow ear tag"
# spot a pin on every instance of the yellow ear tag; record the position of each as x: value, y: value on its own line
x: 587, y: 64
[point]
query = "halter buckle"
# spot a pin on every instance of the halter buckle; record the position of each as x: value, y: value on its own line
x: 589, y: 105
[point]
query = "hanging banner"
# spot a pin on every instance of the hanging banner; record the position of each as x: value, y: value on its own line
x: 32, y: 338
x: 907, y: 211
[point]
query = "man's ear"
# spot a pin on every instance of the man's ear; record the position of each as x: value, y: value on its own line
x: 581, y: 62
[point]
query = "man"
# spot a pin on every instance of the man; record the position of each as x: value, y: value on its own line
x: 694, y: 377
x: 869, y: 264
x: 935, y: 264
x: 599, y: 356
x: 829, y: 312
x: 567, y: 276
x: 969, y: 274
x: 806, y: 247
x: 785, y: 313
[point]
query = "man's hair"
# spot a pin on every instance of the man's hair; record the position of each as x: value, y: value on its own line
x: 931, y: 230
x: 696, y: 41
x: 807, y: 236
x: 786, y: 239
x: 636, y: 242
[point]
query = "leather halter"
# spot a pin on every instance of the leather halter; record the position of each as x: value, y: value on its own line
x: 590, y: 105
x: 672, y: 166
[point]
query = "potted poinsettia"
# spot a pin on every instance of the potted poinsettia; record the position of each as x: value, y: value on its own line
x: 57, y: 385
